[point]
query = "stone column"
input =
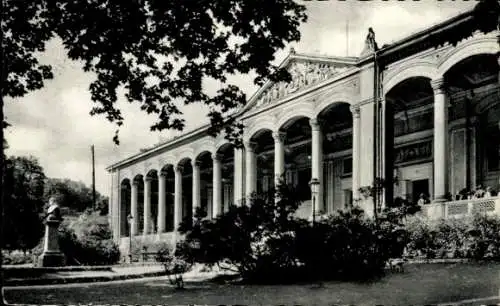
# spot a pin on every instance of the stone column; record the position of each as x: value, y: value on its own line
x: 440, y: 140
x: 238, y: 179
x: 178, y: 197
x: 133, y: 207
x: 196, y: 186
x: 279, y: 156
x: 147, y: 205
x: 217, y: 189
x: 317, y: 161
x: 250, y: 168
x: 162, y: 202
x: 355, y: 151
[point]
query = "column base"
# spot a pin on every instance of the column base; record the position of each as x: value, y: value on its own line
x: 51, y: 259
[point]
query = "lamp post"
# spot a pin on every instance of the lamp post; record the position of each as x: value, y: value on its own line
x: 314, y: 184
x: 130, y: 218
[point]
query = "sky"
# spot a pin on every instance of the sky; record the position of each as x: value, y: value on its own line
x: 54, y: 125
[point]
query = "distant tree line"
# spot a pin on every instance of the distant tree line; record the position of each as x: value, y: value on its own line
x: 26, y: 192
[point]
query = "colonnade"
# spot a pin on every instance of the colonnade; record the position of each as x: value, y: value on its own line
x: 249, y: 174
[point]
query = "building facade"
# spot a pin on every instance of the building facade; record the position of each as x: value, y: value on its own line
x: 440, y: 121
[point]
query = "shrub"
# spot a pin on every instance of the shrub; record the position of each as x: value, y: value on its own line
x: 484, y: 240
x: 174, y: 266
x: 16, y: 257
x: 348, y: 246
x: 86, y: 241
x: 264, y: 242
x: 252, y: 240
x: 477, y: 238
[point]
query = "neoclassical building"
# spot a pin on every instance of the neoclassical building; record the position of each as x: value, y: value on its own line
x: 439, y: 129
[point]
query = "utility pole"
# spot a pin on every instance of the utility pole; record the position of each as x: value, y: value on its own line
x: 93, y: 178
x: 347, y: 37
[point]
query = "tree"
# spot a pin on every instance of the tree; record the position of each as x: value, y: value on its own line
x: 160, y: 52
x: 23, y: 206
x: 74, y: 195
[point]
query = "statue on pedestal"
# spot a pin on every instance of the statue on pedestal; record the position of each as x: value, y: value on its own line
x: 370, y: 43
x: 52, y: 255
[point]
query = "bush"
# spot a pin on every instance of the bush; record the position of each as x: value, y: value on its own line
x: 86, y: 241
x: 264, y: 242
x: 16, y: 257
x: 348, y: 246
x: 477, y: 238
x: 174, y: 266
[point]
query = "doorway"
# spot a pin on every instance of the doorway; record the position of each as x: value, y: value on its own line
x: 419, y: 187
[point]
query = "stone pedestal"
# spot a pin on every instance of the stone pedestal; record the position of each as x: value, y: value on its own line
x: 51, y: 256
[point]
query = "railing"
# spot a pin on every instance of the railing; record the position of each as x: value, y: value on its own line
x: 462, y: 208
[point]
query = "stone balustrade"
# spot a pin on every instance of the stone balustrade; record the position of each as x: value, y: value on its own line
x: 462, y: 208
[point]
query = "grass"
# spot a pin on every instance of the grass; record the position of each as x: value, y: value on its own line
x: 419, y: 284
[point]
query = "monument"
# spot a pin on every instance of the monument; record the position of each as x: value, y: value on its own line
x: 52, y: 255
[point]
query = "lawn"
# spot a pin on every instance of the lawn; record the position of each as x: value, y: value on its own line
x: 419, y: 284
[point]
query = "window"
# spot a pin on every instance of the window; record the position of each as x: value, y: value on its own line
x: 347, y: 166
x: 347, y: 198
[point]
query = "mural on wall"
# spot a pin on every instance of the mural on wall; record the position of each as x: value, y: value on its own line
x: 413, y: 152
x: 304, y: 74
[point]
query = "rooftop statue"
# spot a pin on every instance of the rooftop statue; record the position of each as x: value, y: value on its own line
x: 370, y: 43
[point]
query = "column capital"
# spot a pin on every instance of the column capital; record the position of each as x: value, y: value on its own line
x: 314, y: 122
x: 162, y: 175
x: 355, y: 110
x: 279, y: 136
x: 438, y: 85
x: 135, y: 183
x: 147, y: 179
x: 195, y: 163
x: 179, y: 169
x: 216, y: 157
x: 250, y: 145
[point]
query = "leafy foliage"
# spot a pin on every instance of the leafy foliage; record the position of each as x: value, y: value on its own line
x: 86, y: 241
x: 95, y: 239
x: 26, y: 27
x: 174, y: 266
x: 16, y: 258
x: 23, y: 194
x: 264, y: 242
x: 348, y: 246
x: 160, y: 53
x: 74, y: 195
x: 398, y: 210
x: 476, y: 238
